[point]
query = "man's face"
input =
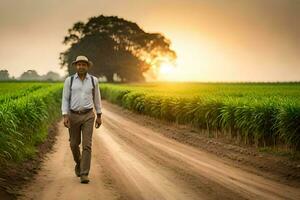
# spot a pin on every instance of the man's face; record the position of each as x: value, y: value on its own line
x: 82, y: 67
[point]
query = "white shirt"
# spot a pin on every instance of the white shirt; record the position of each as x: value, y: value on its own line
x: 82, y: 95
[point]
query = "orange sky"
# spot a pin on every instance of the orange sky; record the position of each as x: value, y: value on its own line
x: 216, y: 40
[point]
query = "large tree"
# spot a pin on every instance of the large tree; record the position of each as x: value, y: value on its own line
x: 116, y: 45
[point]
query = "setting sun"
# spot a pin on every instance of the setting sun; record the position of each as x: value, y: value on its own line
x: 166, y: 68
x: 167, y: 72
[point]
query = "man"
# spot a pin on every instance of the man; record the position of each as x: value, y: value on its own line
x: 80, y: 94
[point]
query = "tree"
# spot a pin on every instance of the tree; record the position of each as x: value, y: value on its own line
x: 30, y: 75
x: 51, y: 76
x: 4, y: 75
x: 116, y: 46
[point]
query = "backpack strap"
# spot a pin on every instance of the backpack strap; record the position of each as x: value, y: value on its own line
x: 71, y: 83
x: 93, y: 90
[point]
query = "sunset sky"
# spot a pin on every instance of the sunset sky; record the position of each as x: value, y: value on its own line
x: 215, y: 40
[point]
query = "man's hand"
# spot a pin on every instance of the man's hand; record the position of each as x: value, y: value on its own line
x: 98, y: 121
x: 66, y: 121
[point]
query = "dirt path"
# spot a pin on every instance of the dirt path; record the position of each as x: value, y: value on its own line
x: 131, y: 161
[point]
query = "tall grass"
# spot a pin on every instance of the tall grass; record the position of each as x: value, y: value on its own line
x: 24, y: 120
x: 259, y: 114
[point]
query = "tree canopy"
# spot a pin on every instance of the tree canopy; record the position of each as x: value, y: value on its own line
x: 30, y: 75
x: 116, y: 46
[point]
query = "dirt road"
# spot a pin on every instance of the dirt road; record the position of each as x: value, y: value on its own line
x: 131, y: 161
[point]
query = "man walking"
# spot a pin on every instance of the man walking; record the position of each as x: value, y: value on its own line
x: 80, y: 94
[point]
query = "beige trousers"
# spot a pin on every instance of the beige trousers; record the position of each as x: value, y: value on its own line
x: 82, y: 125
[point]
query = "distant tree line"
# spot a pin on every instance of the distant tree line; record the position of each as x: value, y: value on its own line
x: 30, y: 75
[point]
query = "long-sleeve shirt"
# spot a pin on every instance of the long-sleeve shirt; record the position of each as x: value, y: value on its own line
x: 82, y: 95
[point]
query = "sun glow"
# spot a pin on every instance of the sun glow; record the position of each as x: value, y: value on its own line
x: 166, y: 68
x: 166, y: 71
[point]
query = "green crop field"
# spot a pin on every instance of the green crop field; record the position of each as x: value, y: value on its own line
x: 26, y: 110
x: 259, y: 114
x: 253, y: 113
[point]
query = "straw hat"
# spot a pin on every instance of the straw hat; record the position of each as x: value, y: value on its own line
x: 83, y: 59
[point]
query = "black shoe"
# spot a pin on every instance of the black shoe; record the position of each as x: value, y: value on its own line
x: 77, y: 169
x: 84, y: 179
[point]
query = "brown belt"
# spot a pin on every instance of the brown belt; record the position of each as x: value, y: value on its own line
x: 81, y: 111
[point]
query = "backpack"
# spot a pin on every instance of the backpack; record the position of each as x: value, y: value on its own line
x: 93, y: 90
